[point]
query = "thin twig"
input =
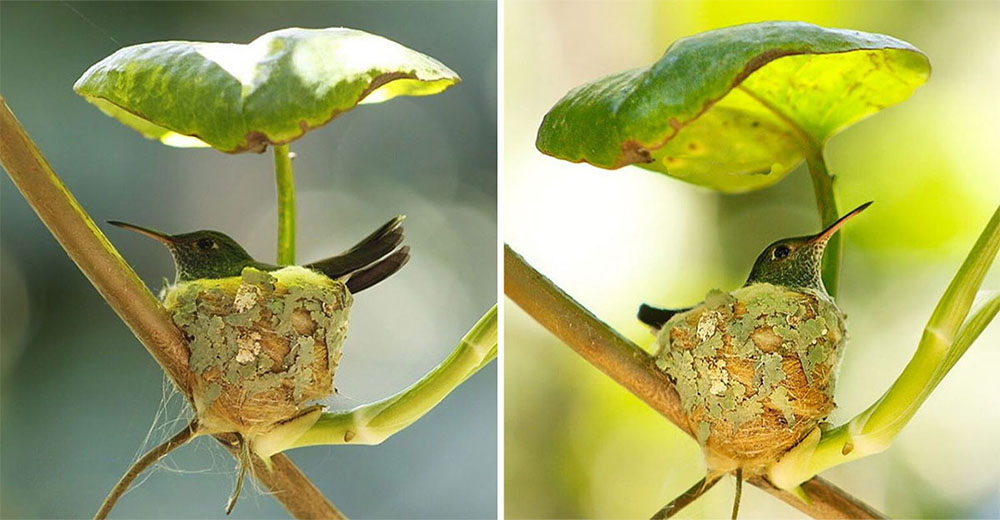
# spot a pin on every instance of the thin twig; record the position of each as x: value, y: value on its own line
x: 739, y: 493
x: 115, y: 280
x: 633, y: 368
x: 692, y: 494
x: 243, y: 462
x: 179, y: 439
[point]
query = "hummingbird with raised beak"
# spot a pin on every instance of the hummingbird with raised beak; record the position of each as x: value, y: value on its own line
x: 212, y: 254
x: 795, y: 263
x: 755, y: 368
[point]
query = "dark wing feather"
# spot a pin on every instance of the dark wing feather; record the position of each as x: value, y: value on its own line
x: 373, y: 247
x: 657, y: 317
x: 384, y: 268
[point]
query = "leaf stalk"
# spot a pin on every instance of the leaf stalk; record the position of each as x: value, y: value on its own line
x: 826, y: 203
x: 285, y: 181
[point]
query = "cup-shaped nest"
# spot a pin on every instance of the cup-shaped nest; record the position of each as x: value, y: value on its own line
x: 262, y: 344
x: 755, y: 370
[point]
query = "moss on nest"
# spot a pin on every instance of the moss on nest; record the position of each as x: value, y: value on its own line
x: 262, y: 344
x: 755, y: 370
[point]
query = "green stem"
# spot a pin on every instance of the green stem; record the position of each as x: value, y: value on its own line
x: 285, y: 180
x: 946, y: 337
x: 375, y: 422
x: 826, y: 203
x: 826, y: 199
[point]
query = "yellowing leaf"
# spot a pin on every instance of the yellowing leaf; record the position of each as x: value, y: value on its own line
x: 240, y: 98
x: 734, y: 109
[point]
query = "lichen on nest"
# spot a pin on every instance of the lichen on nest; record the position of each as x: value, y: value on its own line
x: 262, y: 344
x: 755, y: 370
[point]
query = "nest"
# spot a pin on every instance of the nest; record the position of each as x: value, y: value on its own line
x: 262, y: 344
x: 755, y: 370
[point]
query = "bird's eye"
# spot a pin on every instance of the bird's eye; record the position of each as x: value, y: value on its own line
x: 206, y: 244
x: 781, y: 252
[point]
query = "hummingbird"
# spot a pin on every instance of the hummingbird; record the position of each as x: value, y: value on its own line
x: 794, y: 263
x: 237, y: 391
x: 212, y: 254
x: 755, y: 369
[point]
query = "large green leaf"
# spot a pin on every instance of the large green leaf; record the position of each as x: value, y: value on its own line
x: 734, y: 109
x: 237, y: 97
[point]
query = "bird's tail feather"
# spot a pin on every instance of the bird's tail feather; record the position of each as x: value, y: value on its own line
x: 384, y: 268
x: 366, y: 256
x: 373, y: 247
x: 654, y: 316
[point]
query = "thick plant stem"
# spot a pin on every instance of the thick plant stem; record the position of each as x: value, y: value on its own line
x: 285, y: 180
x: 948, y: 335
x: 375, y: 422
x: 179, y: 439
x: 826, y: 500
x: 288, y: 485
x: 633, y: 368
x: 87, y: 246
x: 118, y: 284
x: 826, y: 203
x: 591, y: 338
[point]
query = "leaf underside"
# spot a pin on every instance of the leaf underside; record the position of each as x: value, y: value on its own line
x: 238, y: 98
x: 734, y: 109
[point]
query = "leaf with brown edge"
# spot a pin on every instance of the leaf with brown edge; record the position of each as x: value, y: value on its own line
x: 238, y: 98
x: 734, y: 109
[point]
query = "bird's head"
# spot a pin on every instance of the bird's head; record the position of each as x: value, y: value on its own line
x: 199, y: 254
x: 797, y: 262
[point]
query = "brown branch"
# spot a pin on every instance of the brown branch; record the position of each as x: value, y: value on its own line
x: 590, y: 337
x: 115, y: 280
x: 290, y: 486
x: 633, y: 368
x: 828, y: 500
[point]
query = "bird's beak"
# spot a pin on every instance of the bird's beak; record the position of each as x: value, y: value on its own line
x: 155, y: 235
x: 823, y: 236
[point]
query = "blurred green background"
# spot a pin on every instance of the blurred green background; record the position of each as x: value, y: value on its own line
x: 576, y: 444
x: 79, y: 393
